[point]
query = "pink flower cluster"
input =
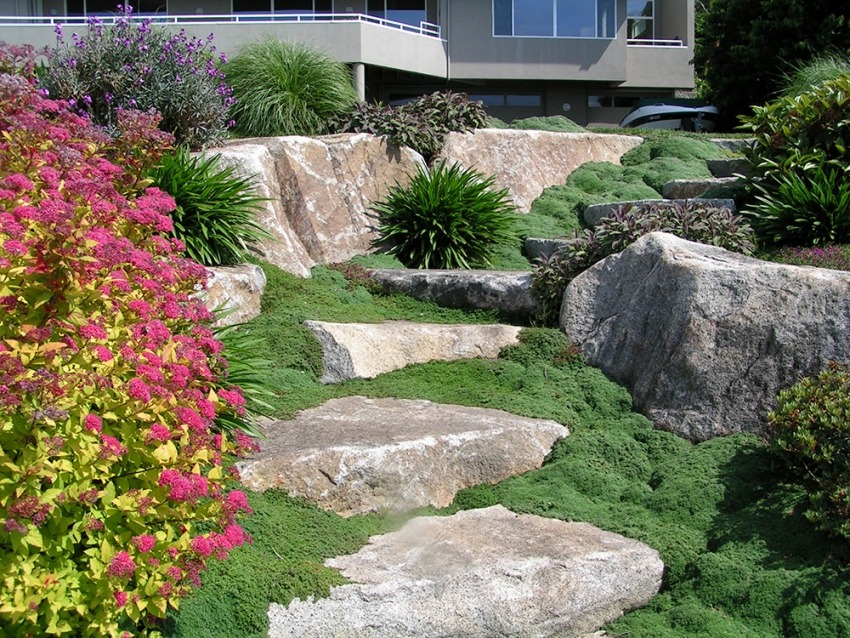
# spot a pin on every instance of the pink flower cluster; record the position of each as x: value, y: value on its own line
x: 113, y: 369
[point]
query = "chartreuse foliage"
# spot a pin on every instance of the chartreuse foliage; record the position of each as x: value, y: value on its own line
x: 447, y: 217
x: 811, y: 431
x: 113, y: 488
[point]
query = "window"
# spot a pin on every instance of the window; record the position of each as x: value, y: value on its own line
x: 641, y: 19
x: 554, y: 18
x: 405, y: 11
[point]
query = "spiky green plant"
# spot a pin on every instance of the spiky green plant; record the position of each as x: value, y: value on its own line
x: 215, y: 214
x: 247, y: 368
x: 817, y: 71
x: 806, y: 207
x: 287, y: 88
x: 448, y: 217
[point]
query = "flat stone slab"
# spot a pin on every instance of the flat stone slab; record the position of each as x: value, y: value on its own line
x: 365, y: 350
x: 508, y: 292
x: 595, y: 212
x: 691, y: 188
x: 536, y: 247
x: 485, y: 573
x: 356, y: 455
x: 729, y: 167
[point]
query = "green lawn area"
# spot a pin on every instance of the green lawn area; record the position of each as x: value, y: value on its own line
x: 740, y: 558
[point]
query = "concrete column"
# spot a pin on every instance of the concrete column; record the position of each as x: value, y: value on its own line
x: 360, y: 81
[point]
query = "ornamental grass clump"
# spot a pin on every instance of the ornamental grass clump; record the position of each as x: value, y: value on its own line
x: 114, y: 485
x: 447, y: 217
x: 215, y: 208
x: 135, y: 64
x: 287, y: 88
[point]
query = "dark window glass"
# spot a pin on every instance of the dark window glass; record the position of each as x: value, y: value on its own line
x: 533, y: 18
x: 640, y: 8
x: 101, y: 6
x: 524, y: 100
x: 148, y: 6
x: 502, y: 17
x: 252, y: 6
x: 489, y: 100
x: 75, y: 7
x: 576, y: 18
x: 406, y: 11
x: 324, y: 6
x: 375, y: 8
x: 293, y: 6
x: 605, y: 10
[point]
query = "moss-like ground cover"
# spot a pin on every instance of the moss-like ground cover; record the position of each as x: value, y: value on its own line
x: 741, y: 560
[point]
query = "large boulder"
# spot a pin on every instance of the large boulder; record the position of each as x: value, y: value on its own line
x: 705, y: 338
x: 365, y: 350
x: 526, y: 162
x: 508, y: 292
x: 486, y: 573
x: 235, y: 291
x: 356, y: 455
x: 319, y: 192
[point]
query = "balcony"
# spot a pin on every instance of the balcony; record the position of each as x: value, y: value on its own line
x: 350, y: 37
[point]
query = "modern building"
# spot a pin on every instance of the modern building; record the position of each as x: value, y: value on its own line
x: 587, y: 59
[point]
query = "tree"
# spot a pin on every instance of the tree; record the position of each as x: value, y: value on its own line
x: 744, y: 47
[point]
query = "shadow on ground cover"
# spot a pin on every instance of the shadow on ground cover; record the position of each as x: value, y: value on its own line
x: 740, y: 560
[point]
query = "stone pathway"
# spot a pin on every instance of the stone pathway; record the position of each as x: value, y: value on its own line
x: 484, y: 573
x: 356, y: 455
x: 365, y: 350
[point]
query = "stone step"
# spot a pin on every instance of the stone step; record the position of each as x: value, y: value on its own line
x: 356, y: 455
x: 734, y: 145
x: 365, y: 350
x: 508, y: 292
x: 594, y: 212
x: 537, y: 247
x: 691, y: 188
x: 728, y: 167
x: 486, y: 573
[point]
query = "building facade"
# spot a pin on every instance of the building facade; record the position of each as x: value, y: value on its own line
x: 587, y: 59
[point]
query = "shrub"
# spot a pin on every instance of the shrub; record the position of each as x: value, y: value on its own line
x: 113, y: 494
x: 138, y: 65
x: 793, y: 132
x: 695, y: 222
x: 447, y: 217
x: 422, y: 124
x: 808, y: 206
x: 215, y: 208
x: 679, y: 146
x: 287, y: 88
x: 811, y: 432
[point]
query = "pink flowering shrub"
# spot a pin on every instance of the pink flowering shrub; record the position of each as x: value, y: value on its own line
x: 113, y: 487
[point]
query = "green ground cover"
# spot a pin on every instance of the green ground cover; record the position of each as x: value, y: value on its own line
x: 741, y: 560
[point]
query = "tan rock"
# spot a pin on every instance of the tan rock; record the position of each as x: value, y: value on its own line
x: 526, y: 162
x: 321, y: 190
x: 236, y: 291
x: 356, y: 455
x: 486, y: 573
x: 285, y: 250
x: 365, y: 350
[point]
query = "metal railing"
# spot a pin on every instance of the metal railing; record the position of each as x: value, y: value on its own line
x: 642, y: 42
x: 424, y: 28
